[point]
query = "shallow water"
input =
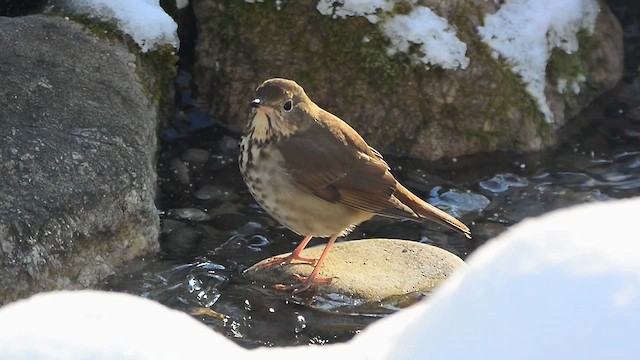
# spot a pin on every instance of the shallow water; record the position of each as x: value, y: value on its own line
x: 213, y: 230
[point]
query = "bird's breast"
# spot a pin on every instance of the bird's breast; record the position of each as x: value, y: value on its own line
x: 265, y: 174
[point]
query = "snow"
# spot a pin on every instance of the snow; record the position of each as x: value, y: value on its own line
x: 101, y: 325
x: 366, y: 8
x: 437, y: 40
x: 144, y: 20
x: 524, y: 32
x: 562, y: 286
x: 565, y: 285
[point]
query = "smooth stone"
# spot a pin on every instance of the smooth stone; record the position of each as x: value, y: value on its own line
x: 169, y: 225
x: 370, y: 269
x: 190, y: 214
x: 181, y: 242
x: 216, y: 192
x: 181, y: 171
x: 198, y: 156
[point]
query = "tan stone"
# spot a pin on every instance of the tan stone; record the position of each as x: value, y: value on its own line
x: 371, y: 269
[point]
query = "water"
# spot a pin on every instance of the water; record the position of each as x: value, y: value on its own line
x: 213, y: 230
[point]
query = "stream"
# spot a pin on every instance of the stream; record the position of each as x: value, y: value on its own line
x: 212, y: 229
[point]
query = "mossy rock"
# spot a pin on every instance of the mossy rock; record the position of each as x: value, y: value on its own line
x: 397, y: 105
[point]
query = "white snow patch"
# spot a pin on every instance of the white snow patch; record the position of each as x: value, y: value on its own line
x: 524, y: 32
x: 144, y: 20
x: 366, y: 8
x: 437, y: 40
x: 565, y: 285
x: 102, y: 325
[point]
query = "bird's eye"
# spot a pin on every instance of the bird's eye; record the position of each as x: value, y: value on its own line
x: 288, y: 106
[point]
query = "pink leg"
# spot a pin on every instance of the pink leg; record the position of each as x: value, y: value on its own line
x: 313, y: 278
x: 295, y: 255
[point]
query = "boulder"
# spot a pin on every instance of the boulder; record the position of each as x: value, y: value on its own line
x: 468, y: 98
x: 77, y: 145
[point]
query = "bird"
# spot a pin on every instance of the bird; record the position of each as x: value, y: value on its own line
x: 314, y: 174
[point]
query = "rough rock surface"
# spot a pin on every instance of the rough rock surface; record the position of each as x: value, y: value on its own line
x: 397, y: 106
x: 77, y: 144
x: 371, y: 269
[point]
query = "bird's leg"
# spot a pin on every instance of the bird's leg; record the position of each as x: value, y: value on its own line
x: 294, y: 256
x: 313, y: 278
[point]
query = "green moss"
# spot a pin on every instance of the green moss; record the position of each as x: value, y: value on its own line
x: 572, y: 67
x: 159, y: 71
x: 101, y: 29
x: 402, y: 8
x: 362, y: 47
x: 509, y: 92
x: 353, y: 40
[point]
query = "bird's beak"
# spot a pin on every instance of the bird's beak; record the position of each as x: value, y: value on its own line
x: 256, y: 103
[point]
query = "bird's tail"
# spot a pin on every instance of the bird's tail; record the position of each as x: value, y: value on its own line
x: 430, y: 212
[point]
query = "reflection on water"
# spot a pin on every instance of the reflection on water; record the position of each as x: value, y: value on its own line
x: 213, y: 230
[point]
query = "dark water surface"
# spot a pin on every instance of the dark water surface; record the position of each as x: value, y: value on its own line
x: 213, y: 230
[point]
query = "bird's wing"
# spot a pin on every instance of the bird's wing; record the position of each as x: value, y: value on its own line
x: 336, y: 164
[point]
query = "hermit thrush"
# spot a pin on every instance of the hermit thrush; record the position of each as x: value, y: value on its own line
x: 314, y: 174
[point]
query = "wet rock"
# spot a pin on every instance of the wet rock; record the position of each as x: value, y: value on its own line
x: 215, y: 192
x: 181, y: 171
x: 400, y: 105
x: 181, y: 242
x: 219, y: 162
x: 190, y: 214
x: 458, y: 203
x: 169, y: 225
x: 229, y: 221
x: 197, y: 156
x: 77, y: 145
x: 371, y: 269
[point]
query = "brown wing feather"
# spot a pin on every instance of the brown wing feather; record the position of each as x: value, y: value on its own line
x: 339, y: 166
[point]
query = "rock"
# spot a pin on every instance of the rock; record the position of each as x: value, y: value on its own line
x: 77, y: 145
x: 371, y: 269
x: 181, y: 242
x: 190, y: 214
x: 193, y: 155
x: 398, y: 105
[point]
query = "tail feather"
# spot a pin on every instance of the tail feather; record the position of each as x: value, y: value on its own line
x: 430, y: 212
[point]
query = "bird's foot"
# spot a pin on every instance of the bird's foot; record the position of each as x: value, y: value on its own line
x: 287, y: 260
x: 305, y: 283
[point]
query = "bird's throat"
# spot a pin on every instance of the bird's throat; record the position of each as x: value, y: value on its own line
x: 268, y: 126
